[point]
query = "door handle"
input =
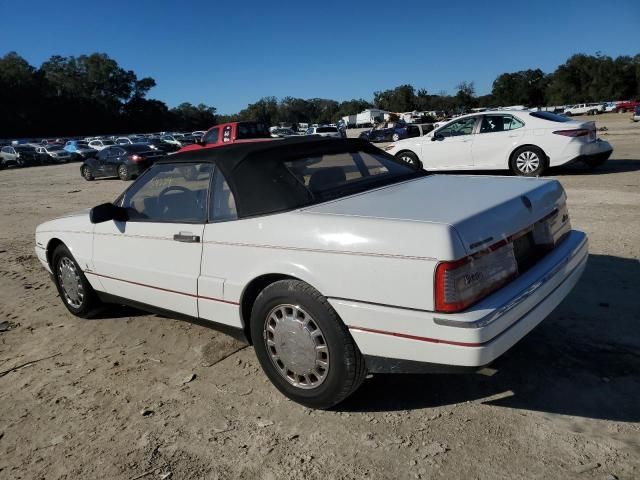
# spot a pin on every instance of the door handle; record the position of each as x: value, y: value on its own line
x: 186, y: 237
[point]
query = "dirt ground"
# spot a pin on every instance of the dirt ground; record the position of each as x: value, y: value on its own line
x: 119, y: 399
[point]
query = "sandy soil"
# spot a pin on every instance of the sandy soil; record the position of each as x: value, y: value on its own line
x: 120, y: 398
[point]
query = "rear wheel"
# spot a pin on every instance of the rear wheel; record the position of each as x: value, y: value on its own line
x: 410, y: 158
x: 395, y: 137
x: 74, y: 289
x: 528, y: 161
x: 123, y: 173
x: 303, y: 346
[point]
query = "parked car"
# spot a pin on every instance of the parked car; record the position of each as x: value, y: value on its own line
x: 636, y: 114
x: 124, y: 141
x: 53, y: 153
x: 391, y: 134
x: 627, y: 106
x: 123, y: 161
x: 283, y: 133
x: 178, y: 140
x: 79, y: 149
x: 101, y: 144
x: 157, y: 144
x: 18, y: 156
x: 525, y: 142
x: 610, y: 107
x: 324, y: 131
x: 584, y: 109
x: 293, y: 245
x: 229, y: 133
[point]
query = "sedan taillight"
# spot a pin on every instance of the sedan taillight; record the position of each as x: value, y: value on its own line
x: 579, y: 132
x: 135, y: 158
x: 461, y: 283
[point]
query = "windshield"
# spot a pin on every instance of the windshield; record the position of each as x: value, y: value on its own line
x: 550, y: 116
x: 268, y: 183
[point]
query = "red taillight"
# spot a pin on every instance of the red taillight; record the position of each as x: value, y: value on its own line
x: 579, y: 132
x: 135, y: 158
x: 461, y: 283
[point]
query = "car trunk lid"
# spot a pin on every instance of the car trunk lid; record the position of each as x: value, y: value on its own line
x: 483, y: 210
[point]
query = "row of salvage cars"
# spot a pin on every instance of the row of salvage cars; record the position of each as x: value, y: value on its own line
x: 332, y: 257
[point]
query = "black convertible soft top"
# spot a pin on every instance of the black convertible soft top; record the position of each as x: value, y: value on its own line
x: 257, y: 175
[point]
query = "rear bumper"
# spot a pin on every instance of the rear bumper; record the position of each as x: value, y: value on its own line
x: 600, y: 150
x: 477, y: 336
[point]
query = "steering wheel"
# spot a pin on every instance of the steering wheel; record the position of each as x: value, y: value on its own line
x: 172, y: 188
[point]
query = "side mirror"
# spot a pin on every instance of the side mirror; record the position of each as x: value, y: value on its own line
x: 108, y: 211
x: 437, y: 136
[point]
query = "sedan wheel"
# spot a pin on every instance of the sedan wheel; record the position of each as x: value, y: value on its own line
x: 86, y: 173
x: 410, y: 158
x: 395, y: 137
x: 123, y: 173
x: 528, y: 162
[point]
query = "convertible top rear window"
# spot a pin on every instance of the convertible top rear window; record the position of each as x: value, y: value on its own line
x: 267, y: 185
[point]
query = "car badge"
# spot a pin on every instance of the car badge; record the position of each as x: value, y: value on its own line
x: 527, y: 202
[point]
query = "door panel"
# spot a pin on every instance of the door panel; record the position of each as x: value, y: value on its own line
x: 154, y: 257
x: 141, y: 261
x: 497, y: 137
x: 450, y: 146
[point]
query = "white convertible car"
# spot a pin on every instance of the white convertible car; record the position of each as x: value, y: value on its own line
x: 333, y: 258
x: 525, y: 142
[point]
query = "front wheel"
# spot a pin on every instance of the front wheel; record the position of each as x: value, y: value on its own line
x: 303, y: 346
x: 86, y: 173
x: 74, y: 288
x: 528, y: 162
x: 410, y: 158
x: 395, y: 137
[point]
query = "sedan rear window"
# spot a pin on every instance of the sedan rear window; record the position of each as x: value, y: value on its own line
x: 552, y: 117
x: 326, y: 130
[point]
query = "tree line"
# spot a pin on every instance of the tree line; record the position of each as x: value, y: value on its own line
x: 92, y: 94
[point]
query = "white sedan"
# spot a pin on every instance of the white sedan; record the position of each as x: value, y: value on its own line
x: 524, y: 142
x: 324, y: 131
x: 101, y: 144
x: 333, y: 258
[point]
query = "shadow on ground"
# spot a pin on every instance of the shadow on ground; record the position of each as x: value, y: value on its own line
x: 584, y: 360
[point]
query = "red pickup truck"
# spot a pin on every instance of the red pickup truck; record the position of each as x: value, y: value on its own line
x: 228, y: 133
x: 627, y: 106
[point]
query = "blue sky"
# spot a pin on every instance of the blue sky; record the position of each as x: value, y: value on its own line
x: 229, y: 54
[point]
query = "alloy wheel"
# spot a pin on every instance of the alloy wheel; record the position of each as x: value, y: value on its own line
x: 528, y: 162
x: 296, y: 346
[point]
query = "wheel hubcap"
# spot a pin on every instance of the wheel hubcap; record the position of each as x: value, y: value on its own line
x: 70, y: 282
x: 296, y: 346
x: 407, y: 159
x: 528, y: 162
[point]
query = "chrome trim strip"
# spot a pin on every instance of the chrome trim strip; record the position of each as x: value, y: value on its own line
x: 519, y: 298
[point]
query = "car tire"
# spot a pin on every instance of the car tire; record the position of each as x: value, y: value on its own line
x: 528, y: 161
x: 409, y: 158
x: 86, y: 173
x: 325, y: 365
x: 395, y: 137
x: 75, y: 290
x: 123, y: 172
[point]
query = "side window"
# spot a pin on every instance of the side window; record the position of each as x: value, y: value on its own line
x: 457, y: 128
x: 493, y: 123
x: 511, y: 123
x: 223, y: 203
x: 174, y: 193
x: 211, y: 136
x: 104, y: 153
x: 5, y: 150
